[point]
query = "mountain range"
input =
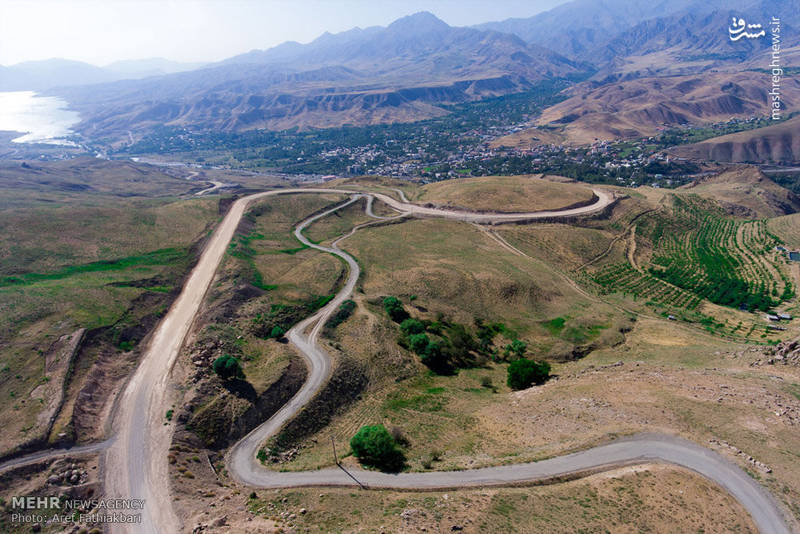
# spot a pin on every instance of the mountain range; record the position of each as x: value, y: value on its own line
x: 405, y: 71
x: 50, y: 73
x: 415, y: 67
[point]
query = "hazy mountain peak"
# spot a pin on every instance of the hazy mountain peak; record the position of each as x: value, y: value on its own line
x: 421, y: 22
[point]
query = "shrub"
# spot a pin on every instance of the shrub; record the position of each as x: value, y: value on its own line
x: 523, y: 373
x: 516, y: 348
x: 412, y: 326
x: 344, y: 312
x: 395, y: 309
x: 430, y: 353
x: 418, y: 343
x: 227, y: 367
x: 433, y: 357
x: 277, y: 332
x: 375, y: 447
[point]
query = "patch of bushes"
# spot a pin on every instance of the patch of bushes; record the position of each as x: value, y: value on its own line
x: 342, y: 314
x: 394, y: 308
x: 412, y: 326
x: 286, y: 315
x: 516, y: 349
x: 524, y: 373
x: 277, y: 332
x: 453, y: 347
x: 375, y: 447
x: 227, y: 367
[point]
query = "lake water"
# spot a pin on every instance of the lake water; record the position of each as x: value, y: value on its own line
x: 43, y: 119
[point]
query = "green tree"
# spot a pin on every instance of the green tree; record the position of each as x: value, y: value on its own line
x: 277, y: 332
x: 523, y: 373
x: 395, y: 309
x: 433, y: 358
x: 375, y: 447
x: 344, y: 312
x: 227, y: 367
x: 418, y: 342
x: 412, y: 326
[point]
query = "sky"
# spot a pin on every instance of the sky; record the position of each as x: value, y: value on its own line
x: 102, y: 31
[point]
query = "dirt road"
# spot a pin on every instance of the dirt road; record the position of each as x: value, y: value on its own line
x: 135, y: 465
x: 604, y: 199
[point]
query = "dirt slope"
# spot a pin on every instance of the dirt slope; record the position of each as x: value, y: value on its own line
x: 779, y: 143
x: 641, y: 107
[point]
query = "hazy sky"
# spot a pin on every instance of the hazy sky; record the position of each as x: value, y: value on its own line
x: 102, y: 31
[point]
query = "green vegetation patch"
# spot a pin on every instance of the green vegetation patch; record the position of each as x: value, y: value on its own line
x: 159, y: 257
x: 700, y: 254
x: 375, y: 447
x: 555, y: 326
x: 283, y: 316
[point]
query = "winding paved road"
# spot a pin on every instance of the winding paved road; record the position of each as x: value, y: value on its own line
x: 643, y: 448
x: 135, y: 464
x: 604, y: 199
x: 246, y: 468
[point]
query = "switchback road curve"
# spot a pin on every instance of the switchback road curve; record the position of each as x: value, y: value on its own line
x: 135, y: 464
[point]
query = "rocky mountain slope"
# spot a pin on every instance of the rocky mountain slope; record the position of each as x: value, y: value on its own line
x: 642, y: 107
x: 399, y: 73
x: 746, y: 192
x: 779, y: 143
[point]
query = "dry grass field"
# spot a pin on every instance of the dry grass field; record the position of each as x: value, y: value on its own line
x: 619, y: 365
x: 86, y: 245
x: 647, y: 499
x: 503, y: 193
x: 746, y: 192
x: 787, y: 228
x: 673, y: 377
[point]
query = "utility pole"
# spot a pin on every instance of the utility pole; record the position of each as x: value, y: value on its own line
x: 348, y: 473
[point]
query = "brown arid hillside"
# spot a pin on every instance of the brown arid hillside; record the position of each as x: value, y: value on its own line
x: 745, y: 191
x: 779, y: 143
x: 642, y: 107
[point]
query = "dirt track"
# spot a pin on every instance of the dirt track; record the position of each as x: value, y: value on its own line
x: 135, y: 465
